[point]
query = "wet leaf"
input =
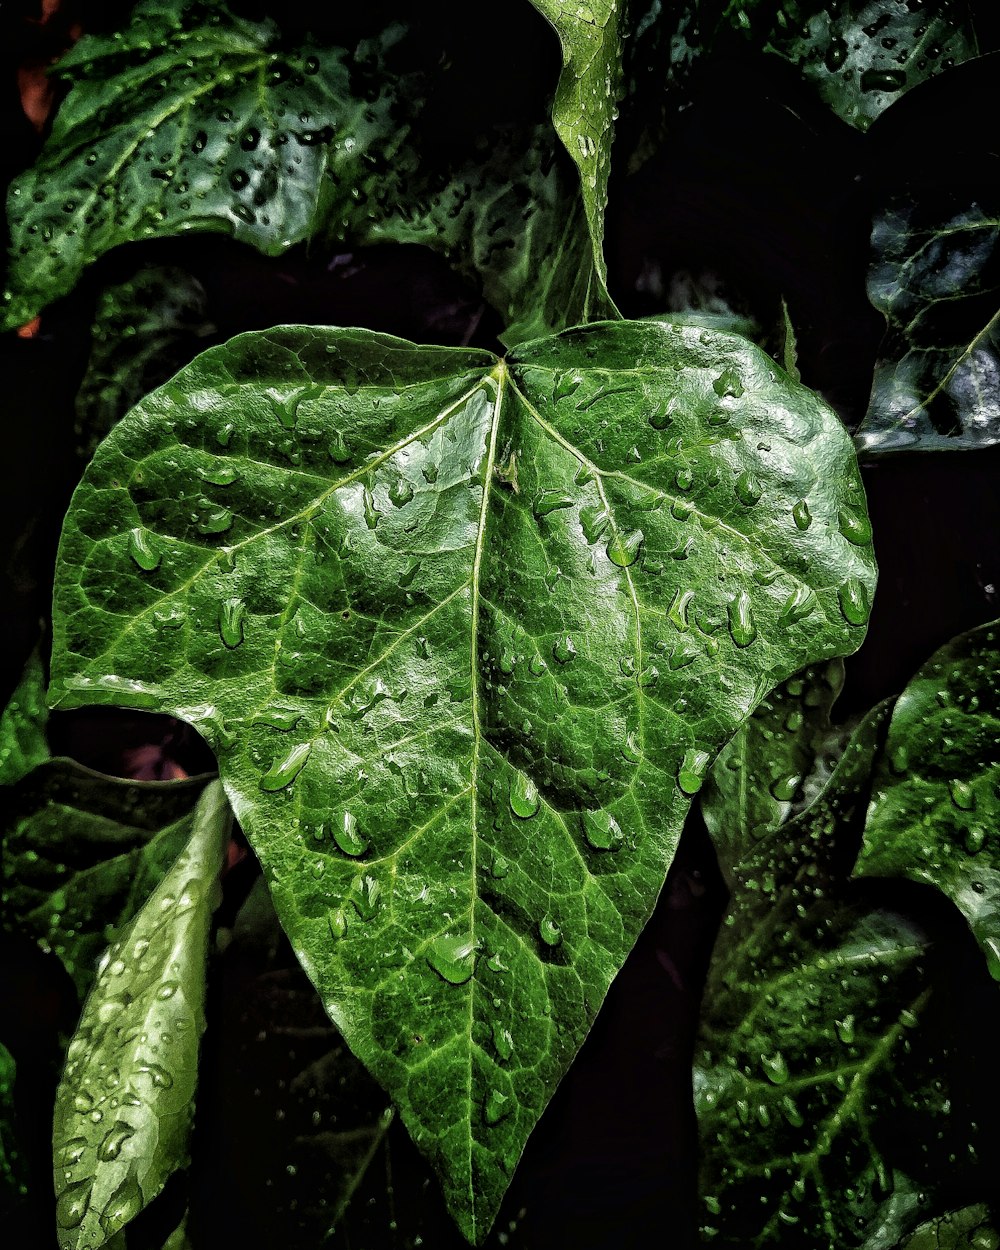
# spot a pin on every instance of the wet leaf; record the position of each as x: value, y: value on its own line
x: 82, y: 852
x: 585, y: 108
x: 23, y: 741
x: 125, y: 1102
x: 971, y: 1228
x: 934, y: 278
x: 465, y: 636
x: 933, y: 814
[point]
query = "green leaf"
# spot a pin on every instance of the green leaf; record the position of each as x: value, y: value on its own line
x: 194, y: 119
x: 465, y: 636
x: 12, y: 1179
x: 970, y: 1228
x: 125, y: 1102
x: 82, y: 852
x: 145, y: 329
x: 933, y: 815
x: 761, y: 771
x: 585, y: 108
x: 935, y: 384
x: 23, y: 723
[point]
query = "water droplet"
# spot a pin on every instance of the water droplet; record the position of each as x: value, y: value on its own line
x: 71, y: 1152
x: 566, y: 384
x: 684, y: 478
x: 836, y: 55
x: 337, y: 923
x: 110, y: 1147
x: 784, y: 788
x: 775, y: 1068
x: 72, y: 1203
x: 791, y: 1112
x: 855, y: 527
x: 691, y: 774
x: 799, y: 604
x: 231, y: 614
x: 594, y: 520
x: 453, y: 958
x: 854, y: 602
x: 749, y: 489
x: 348, y: 836
x: 400, y: 492
x: 801, y: 515
x: 602, y: 831
x: 537, y: 666
x: 549, y: 931
x: 742, y: 626
x: 845, y: 1030
x: 564, y: 649
x: 366, y: 895
x: 219, y: 473
x: 677, y: 613
x: 123, y: 1205
x: 285, y: 769
x: 167, y: 990
x: 500, y: 867
x: 160, y: 1077
x: 497, y: 1107
x: 503, y: 1042
x: 962, y: 794
x: 974, y: 839
x: 728, y: 383
x: 279, y: 716
x: 883, y: 80
x: 524, y: 800
x: 623, y: 549
x: 340, y: 450
x: 550, y: 501
x: 144, y: 549
x: 215, y: 521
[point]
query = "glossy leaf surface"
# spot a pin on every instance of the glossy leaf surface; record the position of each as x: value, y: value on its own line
x: 934, y: 278
x: 584, y: 109
x: 23, y: 741
x: 82, y: 852
x: 761, y: 771
x: 933, y: 814
x: 465, y: 636
x: 125, y: 1103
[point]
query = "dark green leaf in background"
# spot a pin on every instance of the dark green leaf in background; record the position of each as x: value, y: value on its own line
x: 82, y: 852
x: 935, y: 277
x: 23, y: 742
x: 125, y: 1103
x: 971, y: 1228
x: 465, y: 636
x: 936, y: 800
x: 12, y: 1181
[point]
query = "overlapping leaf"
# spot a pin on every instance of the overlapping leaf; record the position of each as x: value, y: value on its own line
x: 465, y: 636
x: 933, y: 814
x: 23, y: 741
x: 935, y: 279
x: 125, y: 1102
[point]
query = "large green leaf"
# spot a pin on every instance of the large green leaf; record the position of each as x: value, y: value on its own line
x: 125, y: 1102
x: 465, y: 636
x: 585, y: 108
x: 933, y: 814
x: 935, y: 280
x: 192, y: 118
x: 761, y: 771
x: 82, y: 852
x: 23, y: 722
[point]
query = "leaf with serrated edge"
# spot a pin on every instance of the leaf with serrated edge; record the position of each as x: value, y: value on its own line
x: 461, y: 726
x: 934, y: 809
x: 81, y: 852
x: 584, y: 109
x: 757, y: 775
x: 935, y: 385
x: 124, y: 1105
x: 23, y: 725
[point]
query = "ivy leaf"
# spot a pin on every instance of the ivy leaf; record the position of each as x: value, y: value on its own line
x: 82, y: 852
x: 191, y: 118
x: 933, y: 815
x: 585, y: 108
x: 23, y: 740
x: 465, y: 635
x: 761, y: 771
x: 125, y: 1102
x: 145, y: 329
x: 935, y: 280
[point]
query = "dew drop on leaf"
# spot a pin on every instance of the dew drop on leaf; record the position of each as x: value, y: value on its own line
x: 854, y: 603
x: 623, y: 549
x: 691, y: 774
x: 855, y: 527
x: 564, y: 649
x: 348, y: 836
x: 453, y: 958
x: 748, y: 489
x: 602, y: 831
x: 497, y: 1107
x: 144, y: 549
x: 72, y: 1203
x: 549, y: 931
x: 123, y: 1205
x: 742, y: 626
x: 286, y: 768
x: 801, y: 515
x: 524, y: 800
x: 231, y: 614
x: 110, y: 1148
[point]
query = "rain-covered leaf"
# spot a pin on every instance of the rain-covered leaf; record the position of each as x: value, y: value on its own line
x: 757, y: 775
x: 125, y: 1103
x: 23, y: 741
x: 145, y: 329
x: 935, y: 806
x: 12, y: 1183
x: 465, y: 636
x: 585, y: 108
x: 191, y: 118
x: 82, y: 852
x: 937, y: 382
x: 971, y: 1228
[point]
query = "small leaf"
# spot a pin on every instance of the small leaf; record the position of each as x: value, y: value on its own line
x: 473, y: 686
x: 23, y: 725
x: 585, y: 108
x: 125, y: 1102
x: 935, y: 384
x: 933, y: 814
